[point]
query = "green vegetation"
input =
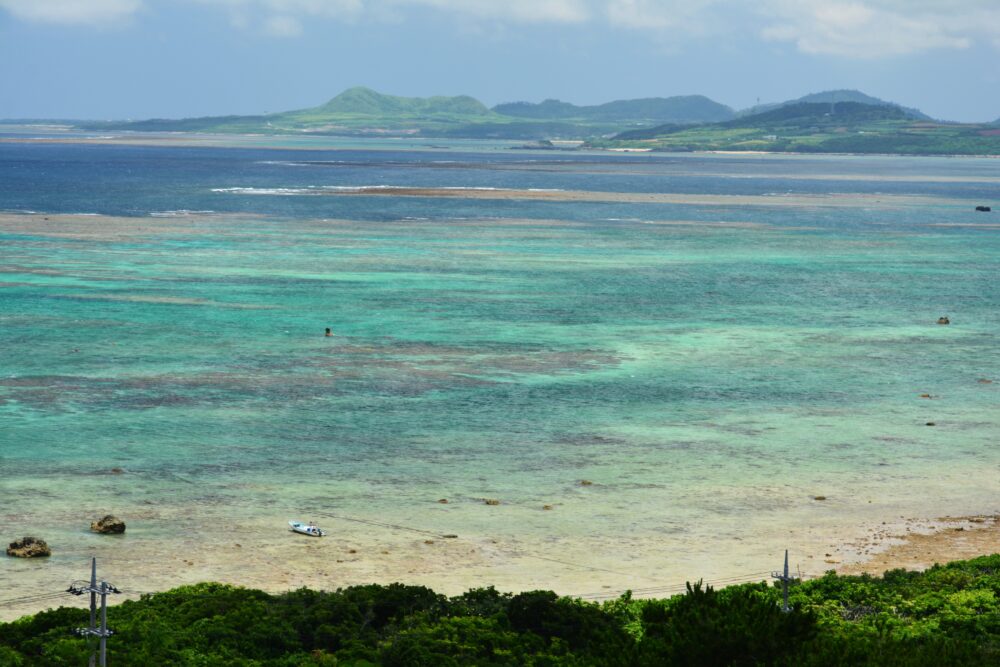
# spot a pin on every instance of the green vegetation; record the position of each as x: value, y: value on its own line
x: 841, y: 121
x: 850, y: 127
x: 948, y: 615
x: 367, y: 102
x: 837, y: 97
x: 648, y: 111
x: 361, y: 111
x: 355, y: 111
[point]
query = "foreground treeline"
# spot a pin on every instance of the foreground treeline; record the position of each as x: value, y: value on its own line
x: 949, y: 615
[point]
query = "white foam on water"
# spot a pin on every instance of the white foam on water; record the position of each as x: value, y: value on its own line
x: 179, y: 213
x: 264, y: 191
x: 321, y: 189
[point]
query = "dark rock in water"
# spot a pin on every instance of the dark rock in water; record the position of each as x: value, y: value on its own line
x: 586, y: 482
x: 443, y: 501
x: 944, y: 320
x: 117, y: 471
x: 29, y: 547
x: 931, y: 424
x: 109, y: 525
x: 983, y: 209
x: 491, y: 501
x: 819, y: 497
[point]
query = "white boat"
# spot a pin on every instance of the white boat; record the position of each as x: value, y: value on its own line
x: 310, y: 528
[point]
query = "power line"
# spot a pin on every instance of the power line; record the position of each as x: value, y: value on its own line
x: 28, y: 599
x: 669, y: 589
x: 420, y: 531
x: 381, y: 524
x: 581, y: 565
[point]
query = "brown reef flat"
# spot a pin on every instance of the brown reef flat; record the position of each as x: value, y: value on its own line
x: 952, y: 538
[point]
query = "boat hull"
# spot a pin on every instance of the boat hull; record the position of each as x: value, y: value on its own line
x: 305, y: 529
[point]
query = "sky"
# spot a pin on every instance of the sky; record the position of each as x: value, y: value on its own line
x: 117, y: 59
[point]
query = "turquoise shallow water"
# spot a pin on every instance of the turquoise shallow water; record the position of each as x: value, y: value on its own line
x: 708, y: 379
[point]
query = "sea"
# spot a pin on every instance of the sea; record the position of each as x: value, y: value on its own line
x: 653, y: 390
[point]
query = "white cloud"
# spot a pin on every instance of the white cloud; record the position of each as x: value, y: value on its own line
x: 282, y: 26
x: 844, y: 28
x: 521, y: 11
x: 285, y: 18
x: 838, y: 28
x: 690, y: 15
x: 330, y: 8
x: 71, y: 11
x: 267, y: 9
x: 878, y: 28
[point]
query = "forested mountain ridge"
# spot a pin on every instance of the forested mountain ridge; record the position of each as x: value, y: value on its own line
x: 818, y: 127
x: 678, y: 109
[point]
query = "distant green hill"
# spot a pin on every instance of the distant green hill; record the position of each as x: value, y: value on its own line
x: 835, y: 97
x: 834, y: 121
x: 816, y: 127
x: 821, y: 112
x: 355, y: 111
x: 364, y: 101
x: 679, y: 109
x: 783, y: 117
x: 364, y: 111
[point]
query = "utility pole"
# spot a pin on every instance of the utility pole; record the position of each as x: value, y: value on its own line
x: 785, y: 579
x: 95, y: 589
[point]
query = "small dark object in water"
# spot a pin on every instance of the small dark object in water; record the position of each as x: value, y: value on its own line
x: 328, y: 332
x: 944, y: 320
x: 29, y: 547
x: 819, y: 498
x: 983, y: 209
x: 109, y: 525
x: 931, y: 424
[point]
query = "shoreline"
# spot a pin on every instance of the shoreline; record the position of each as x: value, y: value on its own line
x: 853, y: 200
x: 917, y: 548
x: 452, y: 566
x: 194, y: 139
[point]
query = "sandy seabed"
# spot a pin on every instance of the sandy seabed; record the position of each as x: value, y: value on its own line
x: 257, y: 556
x: 256, y: 551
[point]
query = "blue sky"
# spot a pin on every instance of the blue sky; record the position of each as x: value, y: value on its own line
x: 178, y: 58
